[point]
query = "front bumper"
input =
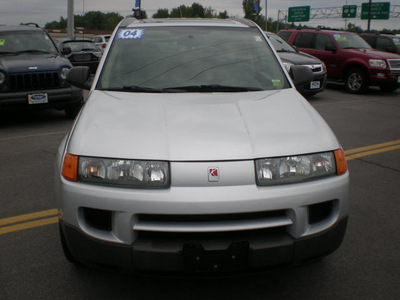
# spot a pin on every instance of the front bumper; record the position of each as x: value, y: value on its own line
x: 383, y: 77
x: 221, y: 254
x: 308, y: 89
x: 152, y: 229
x: 57, y: 98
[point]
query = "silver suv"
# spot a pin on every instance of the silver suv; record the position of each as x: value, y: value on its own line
x: 195, y: 153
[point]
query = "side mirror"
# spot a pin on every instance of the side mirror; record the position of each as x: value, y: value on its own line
x: 301, y: 75
x: 80, y: 77
x: 331, y: 48
x: 66, y: 50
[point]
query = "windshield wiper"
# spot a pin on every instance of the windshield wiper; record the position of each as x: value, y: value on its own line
x: 215, y: 88
x: 351, y: 48
x: 7, y: 52
x: 284, y: 50
x: 33, y: 51
x: 143, y: 89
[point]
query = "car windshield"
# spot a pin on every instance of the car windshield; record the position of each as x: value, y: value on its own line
x: 350, y: 41
x: 279, y: 44
x: 396, y: 42
x: 191, y: 59
x: 77, y: 46
x: 19, y: 42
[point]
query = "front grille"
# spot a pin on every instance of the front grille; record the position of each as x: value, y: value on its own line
x: 33, y: 81
x: 315, y: 68
x: 211, y: 224
x: 82, y: 57
x: 394, y: 64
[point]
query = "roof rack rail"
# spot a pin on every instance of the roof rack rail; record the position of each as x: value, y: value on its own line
x: 245, y: 22
x: 31, y: 24
x: 127, y: 21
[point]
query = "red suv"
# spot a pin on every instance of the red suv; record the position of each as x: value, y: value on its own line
x: 348, y: 58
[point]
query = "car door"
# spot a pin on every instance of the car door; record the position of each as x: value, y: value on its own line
x: 328, y: 51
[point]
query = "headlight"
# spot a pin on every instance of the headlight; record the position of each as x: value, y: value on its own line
x: 120, y: 172
x: 2, y: 78
x: 291, y: 169
x: 323, y: 67
x: 377, y: 63
x: 287, y: 66
x: 64, y: 73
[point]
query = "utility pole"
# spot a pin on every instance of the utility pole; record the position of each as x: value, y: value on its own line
x: 138, y: 5
x: 266, y: 16
x: 369, y: 15
x: 70, y: 20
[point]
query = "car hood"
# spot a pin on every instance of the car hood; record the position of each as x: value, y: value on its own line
x: 199, y: 126
x: 373, y: 53
x: 298, y: 58
x: 33, y: 62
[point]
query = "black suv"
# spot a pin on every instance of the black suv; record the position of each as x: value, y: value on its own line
x: 33, y: 72
x: 382, y: 42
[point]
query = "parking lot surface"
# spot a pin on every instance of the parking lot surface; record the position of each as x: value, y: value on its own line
x: 366, y: 266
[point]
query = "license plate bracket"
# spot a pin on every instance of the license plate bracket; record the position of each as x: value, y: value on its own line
x: 38, y: 98
x: 198, y: 259
x: 315, y: 85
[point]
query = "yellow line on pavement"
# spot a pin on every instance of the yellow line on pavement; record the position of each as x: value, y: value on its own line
x: 27, y: 217
x: 367, y: 153
x: 372, y: 147
x: 27, y: 225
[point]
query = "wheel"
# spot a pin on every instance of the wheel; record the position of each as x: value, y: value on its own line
x: 356, y: 81
x: 388, y: 88
x: 72, y: 110
x: 67, y: 253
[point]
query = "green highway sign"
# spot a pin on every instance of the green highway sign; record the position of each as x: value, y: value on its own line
x: 349, y: 11
x: 379, y: 11
x: 299, y: 14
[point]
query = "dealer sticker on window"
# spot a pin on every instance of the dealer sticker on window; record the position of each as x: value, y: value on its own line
x: 315, y: 85
x: 38, y: 98
x: 130, y: 34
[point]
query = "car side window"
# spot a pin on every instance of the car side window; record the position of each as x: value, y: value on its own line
x: 383, y: 43
x: 304, y: 40
x: 285, y: 35
x: 322, y: 41
x: 97, y: 40
x: 370, y: 40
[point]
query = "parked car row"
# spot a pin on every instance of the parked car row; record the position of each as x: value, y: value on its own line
x: 291, y: 56
x: 349, y: 58
x: 81, y: 52
x: 383, y: 42
x: 33, y: 72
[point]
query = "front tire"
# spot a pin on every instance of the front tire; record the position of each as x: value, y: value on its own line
x: 67, y: 253
x: 356, y: 81
x: 72, y: 110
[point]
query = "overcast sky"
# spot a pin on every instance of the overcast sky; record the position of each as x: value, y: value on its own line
x: 13, y: 12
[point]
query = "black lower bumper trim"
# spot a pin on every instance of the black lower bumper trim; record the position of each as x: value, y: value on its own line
x: 195, y: 257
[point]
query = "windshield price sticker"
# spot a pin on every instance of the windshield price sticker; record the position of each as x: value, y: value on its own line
x: 130, y: 34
